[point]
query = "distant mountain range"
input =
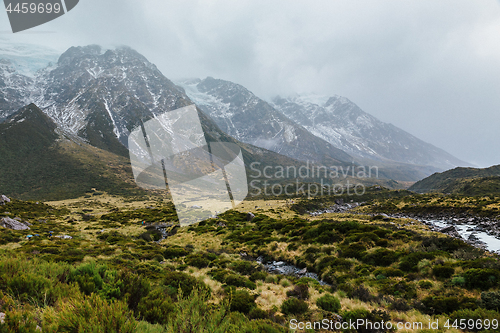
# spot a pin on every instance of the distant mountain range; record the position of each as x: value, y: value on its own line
x: 244, y: 116
x: 94, y: 98
x: 312, y: 127
x: 89, y: 99
x: 342, y: 123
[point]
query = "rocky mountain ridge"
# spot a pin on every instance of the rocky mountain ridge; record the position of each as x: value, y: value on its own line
x: 244, y: 116
x: 341, y: 122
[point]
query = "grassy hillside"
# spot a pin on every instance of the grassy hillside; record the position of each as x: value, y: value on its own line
x: 38, y: 163
x: 465, y: 181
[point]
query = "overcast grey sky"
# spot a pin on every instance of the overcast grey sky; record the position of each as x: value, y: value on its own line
x: 429, y: 67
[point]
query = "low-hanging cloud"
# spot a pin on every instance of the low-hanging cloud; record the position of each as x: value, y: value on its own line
x: 431, y: 68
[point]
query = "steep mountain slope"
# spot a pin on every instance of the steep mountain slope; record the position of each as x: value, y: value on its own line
x: 19, y: 64
x: 342, y: 123
x: 98, y: 98
x: 244, y: 116
x: 239, y: 112
x: 39, y: 161
x: 467, y: 181
x: 101, y: 97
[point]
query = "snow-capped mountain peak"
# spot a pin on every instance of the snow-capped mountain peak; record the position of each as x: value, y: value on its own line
x: 346, y: 126
x: 246, y: 117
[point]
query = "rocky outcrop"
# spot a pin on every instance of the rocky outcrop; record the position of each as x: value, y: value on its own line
x: 451, y: 231
x: 4, y: 200
x: 9, y: 223
x: 339, y: 207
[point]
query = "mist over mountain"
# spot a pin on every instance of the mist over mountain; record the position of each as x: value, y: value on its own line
x: 96, y: 97
x: 294, y: 127
x: 339, y: 121
x: 244, y: 116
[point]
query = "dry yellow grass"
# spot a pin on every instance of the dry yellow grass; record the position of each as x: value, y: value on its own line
x: 271, y: 295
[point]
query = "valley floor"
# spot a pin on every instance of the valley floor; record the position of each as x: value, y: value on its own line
x: 104, y: 263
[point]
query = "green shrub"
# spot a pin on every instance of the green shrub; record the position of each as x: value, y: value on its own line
x: 424, y: 284
x: 355, y: 250
x: 34, y: 281
x: 145, y: 327
x: 229, y: 278
x: 381, y: 257
x: 400, y: 304
x: 9, y: 236
x: 484, y: 279
x: 409, y: 263
x: 445, y: 304
x: 32, y: 287
x: 362, y: 293
x: 155, y: 307
x: 187, y: 283
x: 261, y: 275
x: 458, y: 281
x: 257, y: 313
x: 243, y: 267
x: 373, y: 316
x: 400, y: 289
x: 388, y: 272
x: 197, y: 260
x: 112, y: 286
x: 113, y: 237
x: 88, y: 276
x: 328, y: 237
x: 19, y: 321
x: 446, y: 244
x: 91, y: 314
x: 219, y: 274
x: 134, y: 288
x: 195, y: 314
x: 241, y: 301
x: 174, y: 251
x: 285, y: 282
x: 239, y: 281
x: 149, y: 269
x: 382, y: 242
x: 328, y: 303
x: 490, y: 300
x: 300, y: 291
x: 271, y: 279
x: 334, y: 262
x: 477, y: 315
x: 443, y: 271
x: 294, y: 306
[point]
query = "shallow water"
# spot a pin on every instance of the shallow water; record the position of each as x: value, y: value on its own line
x: 492, y: 243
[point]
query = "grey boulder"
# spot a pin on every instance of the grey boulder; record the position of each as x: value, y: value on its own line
x: 4, y: 200
x: 9, y: 223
